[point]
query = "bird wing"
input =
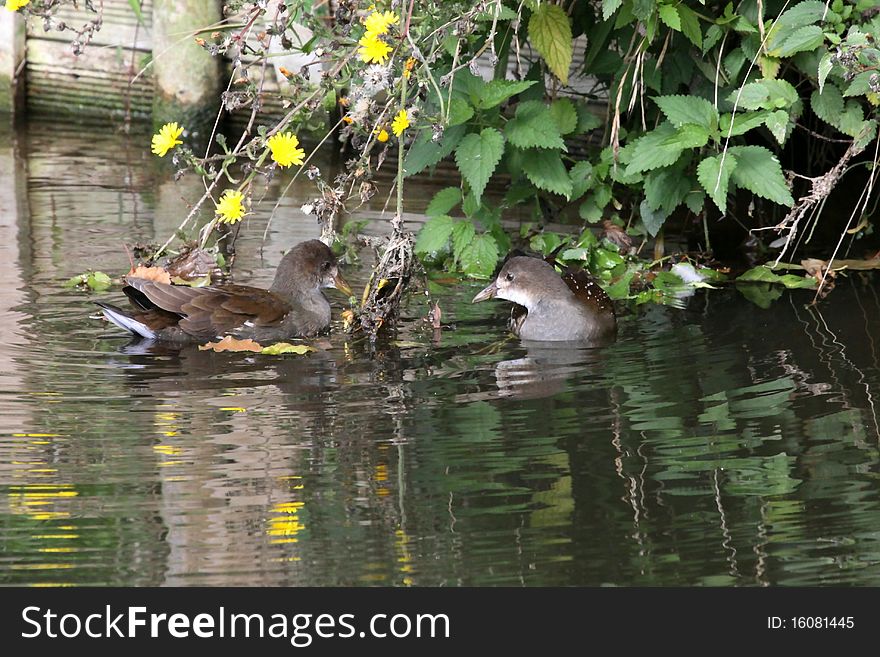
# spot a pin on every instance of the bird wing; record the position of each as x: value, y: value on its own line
x: 206, y: 312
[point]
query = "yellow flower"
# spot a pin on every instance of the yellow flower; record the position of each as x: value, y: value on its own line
x: 408, y: 67
x: 166, y: 138
x: 382, y: 135
x: 230, y: 209
x: 347, y: 119
x: 284, y: 149
x: 400, y: 123
x: 15, y: 5
x: 378, y: 23
x: 373, y: 49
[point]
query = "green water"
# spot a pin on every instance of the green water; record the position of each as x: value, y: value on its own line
x: 720, y: 444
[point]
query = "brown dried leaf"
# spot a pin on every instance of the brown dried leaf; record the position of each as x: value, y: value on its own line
x: 151, y: 274
x: 232, y: 344
x: 193, y: 264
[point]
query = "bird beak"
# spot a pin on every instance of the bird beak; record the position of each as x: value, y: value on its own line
x: 487, y: 292
x: 340, y: 284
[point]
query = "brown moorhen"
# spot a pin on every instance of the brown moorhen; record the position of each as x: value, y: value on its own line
x: 292, y: 307
x: 553, y: 308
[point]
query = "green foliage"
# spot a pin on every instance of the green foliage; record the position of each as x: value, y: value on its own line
x: 477, y: 156
x: 96, y: 281
x: 550, y: 33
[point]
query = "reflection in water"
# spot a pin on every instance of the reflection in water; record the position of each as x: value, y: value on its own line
x: 716, y: 444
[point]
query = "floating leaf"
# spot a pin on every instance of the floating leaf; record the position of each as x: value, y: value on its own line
x: 287, y: 348
x: 157, y: 274
x: 97, y: 281
x: 232, y: 344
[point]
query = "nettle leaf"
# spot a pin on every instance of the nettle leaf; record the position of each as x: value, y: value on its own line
x: 777, y: 123
x: 742, y: 122
x: 459, y: 111
x: 765, y: 94
x: 443, y: 201
x: 850, y: 122
x: 690, y: 25
x: 713, y: 173
x: 587, y: 120
x: 763, y: 274
x: 609, y: 7
x: 651, y: 152
x: 425, y: 153
x: 825, y: 67
x: 808, y: 37
x: 477, y: 156
x: 689, y: 135
x: 828, y: 104
x: 550, y: 33
x: 434, y: 234
x: 758, y: 171
x: 652, y: 219
x: 544, y: 168
x: 480, y: 256
x: 791, y: 20
x: 866, y: 135
x: 859, y: 85
x: 688, y: 109
x: 496, y: 92
x: 533, y: 127
x: 564, y: 115
x: 463, y: 233
x: 666, y: 188
x: 751, y: 96
x: 669, y: 15
x: 581, y: 175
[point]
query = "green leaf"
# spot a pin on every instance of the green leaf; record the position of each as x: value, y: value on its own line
x: 480, y: 256
x: 550, y: 33
x: 544, y: 168
x: 758, y: 171
x: 825, y: 67
x: 136, y: 8
x: 652, y: 219
x: 751, y: 96
x: 609, y: 7
x: 763, y: 274
x: 695, y: 200
x: 798, y: 16
x: 497, y: 91
x: 443, y: 201
x: 690, y: 25
x: 808, y: 37
x: 651, y: 152
x: 781, y: 93
x: 669, y: 15
x: 859, y: 85
x: 581, y: 175
x: 688, y: 109
x: 98, y: 281
x: 765, y: 94
x: 533, y: 127
x: 425, y: 153
x: 586, y: 119
x: 828, y: 104
x: 866, y: 134
x: 689, y: 135
x: 287, y: 348
x: 462, y: 234
x: 713, y: 173
x: 742, y: 122
x: 434, y: 234
x: 459, y: 111
x: 762, y: 294
x: 666, y: 188
x: 564, y: 115
x: 777, y: 123
x: 477, y: 156
x: 850, y: 122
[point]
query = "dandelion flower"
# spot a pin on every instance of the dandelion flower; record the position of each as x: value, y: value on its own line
x: 373, y: 49
x: 230, y: 209
x: 15, y: 5
x: 379, y: 22
x: 400, y: 123
x: 166, y: 138
x: 375, y: 79
x: 382, y: 135
x: 285, y: 149
x: 408, y: 67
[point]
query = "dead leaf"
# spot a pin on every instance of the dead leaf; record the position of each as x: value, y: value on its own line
x: 193, y: 264
x: 156, y: 274
x: 287, y: 348
x: 232, y: 344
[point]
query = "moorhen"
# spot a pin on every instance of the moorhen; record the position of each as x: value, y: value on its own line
x: 292, y: 307
x: 552, y: 308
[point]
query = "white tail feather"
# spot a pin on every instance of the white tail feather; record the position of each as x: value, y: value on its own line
x: 128, y: 323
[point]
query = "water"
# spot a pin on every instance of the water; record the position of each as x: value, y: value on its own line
x: 721, y: 444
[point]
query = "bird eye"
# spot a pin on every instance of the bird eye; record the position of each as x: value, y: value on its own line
x: 509, y: 276
x: 325, y: 265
